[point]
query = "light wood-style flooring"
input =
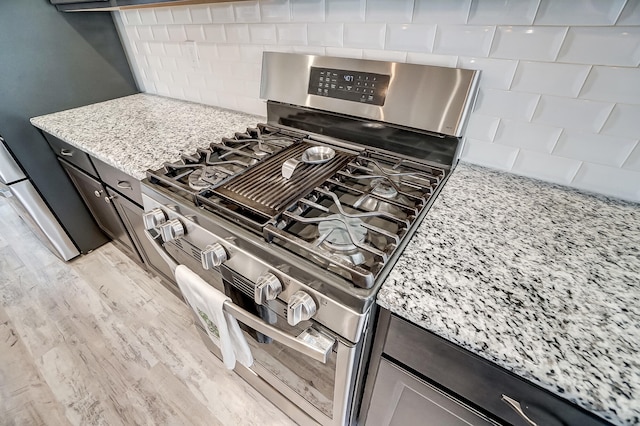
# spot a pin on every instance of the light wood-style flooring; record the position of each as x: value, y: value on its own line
x: 99, y: 341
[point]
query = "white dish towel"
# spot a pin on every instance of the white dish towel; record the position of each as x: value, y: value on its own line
x: 222, y: 328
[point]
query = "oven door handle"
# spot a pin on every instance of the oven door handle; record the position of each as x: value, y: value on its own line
x: 311, y: 342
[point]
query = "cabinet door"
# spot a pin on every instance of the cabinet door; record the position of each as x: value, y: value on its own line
x: 102, y: 209
x: 401, y: 399
x: 131, y: 214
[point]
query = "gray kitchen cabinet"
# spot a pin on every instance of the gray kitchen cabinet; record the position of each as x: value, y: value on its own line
x: 101, y: 207
x: 109, y: 5
x: 418, y: 378
x: 131, y: 214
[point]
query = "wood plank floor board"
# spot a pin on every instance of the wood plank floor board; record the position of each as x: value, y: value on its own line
x: 99, y: 341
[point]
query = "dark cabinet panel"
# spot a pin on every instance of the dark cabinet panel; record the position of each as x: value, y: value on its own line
x: 101, y: 206
x: 131, y: 214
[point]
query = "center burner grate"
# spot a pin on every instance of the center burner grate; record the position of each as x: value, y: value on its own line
x: 264, y: 191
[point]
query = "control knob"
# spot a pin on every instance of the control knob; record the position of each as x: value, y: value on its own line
x: 301, y: 307
x: 268, y: 287
x: 213, y: 255
x: 171, y: 230
x: 153, y: 218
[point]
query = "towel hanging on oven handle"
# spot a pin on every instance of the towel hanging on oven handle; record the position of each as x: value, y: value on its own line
x: 311, y: 342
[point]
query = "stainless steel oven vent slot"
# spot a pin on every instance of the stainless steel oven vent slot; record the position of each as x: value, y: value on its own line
x: 188, y: 249
x: 244, y: 286
x: 263, y: 189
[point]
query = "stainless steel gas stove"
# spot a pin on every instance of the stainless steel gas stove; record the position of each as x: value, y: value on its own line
x: 300, y: 219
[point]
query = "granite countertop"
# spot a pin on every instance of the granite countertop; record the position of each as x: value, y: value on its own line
x: 142, y: 131
x: 538, y: 278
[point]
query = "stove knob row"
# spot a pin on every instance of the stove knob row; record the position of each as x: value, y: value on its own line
x: 154, y: 218
x: 213, y: 256
x: 268, y: 287
x: 301, y: 307
x: 171, y: 230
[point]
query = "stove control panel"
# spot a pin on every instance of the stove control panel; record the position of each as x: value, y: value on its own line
x: 213, y: 256
x: 154, y: 219
x: 348, y: 85
x: 171, y: 230
x: 301, y: 307
x: 268, y: 287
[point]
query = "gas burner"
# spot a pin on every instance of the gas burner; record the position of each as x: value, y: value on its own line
x: 206, y: 176
x: 340, y: 234
x: 383, y: 188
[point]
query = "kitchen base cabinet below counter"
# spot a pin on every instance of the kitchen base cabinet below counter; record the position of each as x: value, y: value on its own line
x: 416, y: 377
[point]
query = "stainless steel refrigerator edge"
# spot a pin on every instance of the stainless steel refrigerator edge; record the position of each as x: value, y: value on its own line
x: 53, y: 61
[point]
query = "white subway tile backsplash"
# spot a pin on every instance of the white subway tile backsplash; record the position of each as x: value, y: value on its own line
x: 624, y: 121
x: 613, y: 181
x: 325, y: 34
x: 555, y: 94
x: 195, y: 32
x: 156, y: 48
x: 431, y: 59
x: 200, y: 14
x: 410, y: 37
x: 529, y: 136
x: 489, y: 154
x: 397, y: 11
x: 545, y: 167
x: 550, y: 78
x: 234, y: 33
x: 602, y: 46
x: 344, y: 10
x: 466, y: 40
x: 246, y: 11
x: 533, y: 43
x: 180, y: 15
x: 633, y: 161
x: 172, y: 49
x: 441, y: 11
x: 369, y: 36
x: 168, y: 64
x: 131, y: 17
x: 588, y: 12
x: 344, y: 52
x: 222, y: 13
x: 164, y: 16
x: 496, y: 73
x: 274, y: 10
x: 160, y: 33
x: 578, y: 114
x: 385, y: 55
x: 310, y: 50
x: 147, y: 16
x: 500, y: 103
x: 613, y: 84
x: 295, y: 34
x: 482, y: 127
x: 593, y: 148
x: 145, y: 33
x: 216, y: 33
x: 263, y: 33
x: 307, y: 10
x: 228, y: 52
x: 177, y: 33
x: 630, y: 14
x: 251, y: 53
x: 503, y: 12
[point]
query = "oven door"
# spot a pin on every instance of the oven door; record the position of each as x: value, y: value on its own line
x: 306, y: 370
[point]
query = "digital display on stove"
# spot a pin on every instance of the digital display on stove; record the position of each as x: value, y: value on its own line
x: 365, y: 87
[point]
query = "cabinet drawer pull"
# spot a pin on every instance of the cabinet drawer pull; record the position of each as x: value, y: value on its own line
x: 518, y: 409
x: 98, y: 193
x: 66, y: 152
x: 123, y: 184
x: 108, y: 199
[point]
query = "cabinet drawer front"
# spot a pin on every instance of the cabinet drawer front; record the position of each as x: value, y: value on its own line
x: 478, y: 380
x: 119, y: 180
x: 70, y: 153
x: 400, y: 398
